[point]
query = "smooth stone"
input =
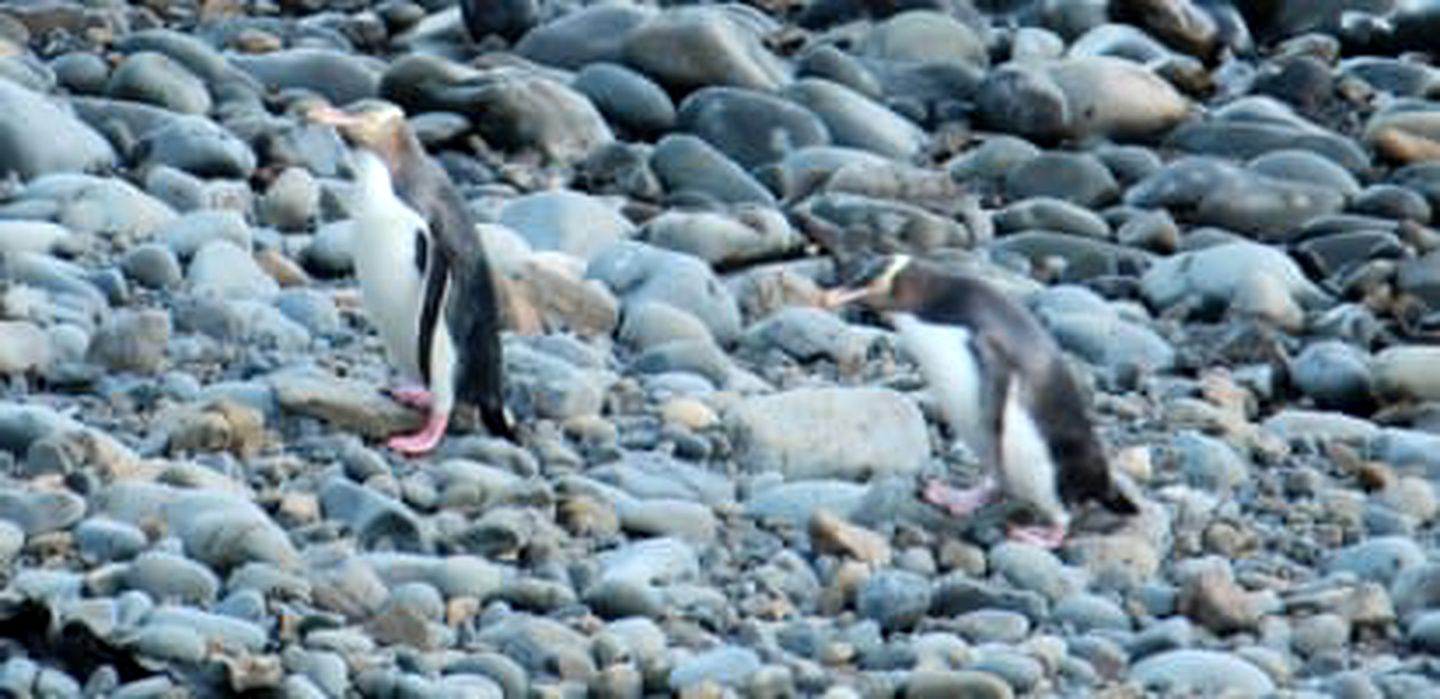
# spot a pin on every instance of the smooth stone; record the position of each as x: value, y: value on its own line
x: 693, y: 356
x: 198, y: 56
x: 330, y: 251
x: 1023, y: 100
x: 185, y: 192
x: 719, y: 115
x: 648, y: 324
x: 1336, y: 375
x: 885, y: 223
x: 1021, y: 671
x: 992, y: 626
x: 1243, y: 139
x: 1390, y: 201
x: 628, y: 99
x: 226, y: 270
x: 843, y: 433
x: 214, y: 628
x: 292, y: 201
x: 797, y: 502
x: 132, y: 341
x: 41, y: 237
x: 1306, y: 167
x: 223, y: 531
x: 24, y: 347
x: 167, y: 577
x: 509, y: 20
x: 895, y: 599
x: 1407, y: 372
x: 1208, y: 463
x: 1379, y: 559
x: 541, y: 645
x: 725, y: 666
x: 170, y: 642
x: 1204, y: 671
x: 1214, y: 275
x: 1100, y: 334
x: 1051, y: 213
x: 1078, y: 178
x: 827, y: 62
x: 104, y: 540
x: 107, y: 207
x: 548, y: 386
x: 1032, y: 568
x: 37, y: 137
x: 724, y: 240
x: 38, y: 512
x: 12, y: 540
x: 719, y: 49
x: 566, y: 221
x: 198, y: 146
x: 686, y: 163
x: 856, y: 121
x: 588, y: 35
x: 1416, y: 589
x: 153, y: 265
x: 1082, y: 258
x: 81, y: 72
x: 340, y: 77
x: 1116, y: 98
x: 349, y: 405
x: 937, y: 684
x: 522, y: 112
x: 157, y: 79
x: 1296, y: 425
x: 1087, y: 612
x: 640, y: 273
x: 924, y: 36
x: 808, y: 334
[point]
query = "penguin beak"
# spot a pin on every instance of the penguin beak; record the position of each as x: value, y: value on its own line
x: 837, y: 298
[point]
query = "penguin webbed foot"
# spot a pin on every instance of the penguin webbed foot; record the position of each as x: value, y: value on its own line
x: 1046, y: 537
x: 412, y: 396
x: 960, y: 502
x: 426, y: 439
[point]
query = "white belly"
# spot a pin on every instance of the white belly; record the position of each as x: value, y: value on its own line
x: 950, y: 369
x: 1027, y: 471
x: 384, y: 253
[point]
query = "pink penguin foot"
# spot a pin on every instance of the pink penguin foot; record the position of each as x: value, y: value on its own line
x: 1044, y: 537
x: 425, y: 440
x: 959, y: 502
x: 411, y: 396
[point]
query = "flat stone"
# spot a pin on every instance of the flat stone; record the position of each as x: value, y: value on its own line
x: 830, y: 433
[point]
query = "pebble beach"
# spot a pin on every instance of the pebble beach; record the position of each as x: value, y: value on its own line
x: 1224, y: 214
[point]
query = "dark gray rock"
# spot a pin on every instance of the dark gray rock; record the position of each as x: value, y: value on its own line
x: 157, y: 79
x: 591, y: 34
x: 688, y: 48
x: 725, y: 118
x: 631, y: 101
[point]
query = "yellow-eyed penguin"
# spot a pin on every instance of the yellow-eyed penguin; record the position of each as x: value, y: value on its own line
x: 424, y: 277
x: 1003, y: 387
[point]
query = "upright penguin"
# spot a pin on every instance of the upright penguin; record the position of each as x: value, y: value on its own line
x: 424, y: 277
x: 1003, y: 387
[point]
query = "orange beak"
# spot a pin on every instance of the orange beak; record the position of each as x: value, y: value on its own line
x: 326, y: 114
x: 836, y: 298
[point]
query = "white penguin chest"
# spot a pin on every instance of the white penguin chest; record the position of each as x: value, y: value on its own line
x: 952, y: 372
x: 384, y: 252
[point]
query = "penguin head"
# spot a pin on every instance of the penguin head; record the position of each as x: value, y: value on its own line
x: 880, y: 283
x: 370, y: 123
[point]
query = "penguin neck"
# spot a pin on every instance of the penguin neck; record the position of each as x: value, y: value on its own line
x: 373, y: 176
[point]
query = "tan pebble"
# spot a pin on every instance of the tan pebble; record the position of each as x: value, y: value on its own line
x: 832, y: 534
x: 299, y: 508
x: 461, y: 609
x: 1136, y: 463
x: 689, y: 413
x: 282, y: 269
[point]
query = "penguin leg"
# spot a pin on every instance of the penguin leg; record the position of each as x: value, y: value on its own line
x: 442, y: 387
x: 961, y: 502
x: 1047, y: 537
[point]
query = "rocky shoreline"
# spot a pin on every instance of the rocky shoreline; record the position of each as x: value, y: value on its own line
x: 1223, y: 215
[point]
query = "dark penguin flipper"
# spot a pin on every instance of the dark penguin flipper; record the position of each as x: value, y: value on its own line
x: 474, y: 318
x: 1118, y: 502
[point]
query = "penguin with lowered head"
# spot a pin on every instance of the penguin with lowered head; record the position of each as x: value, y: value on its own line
x: 1002, y: 386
